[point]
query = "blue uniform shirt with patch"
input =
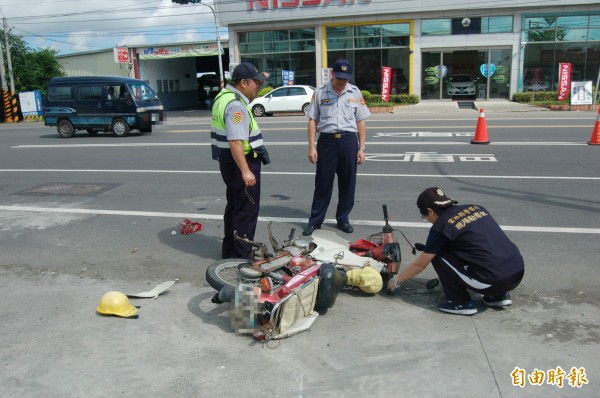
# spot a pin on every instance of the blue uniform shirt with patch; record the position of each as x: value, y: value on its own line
x: 335, y: 112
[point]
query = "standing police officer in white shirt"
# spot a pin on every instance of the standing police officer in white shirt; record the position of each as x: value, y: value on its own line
x: 337, y: 112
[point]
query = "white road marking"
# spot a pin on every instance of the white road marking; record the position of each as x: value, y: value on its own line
x: 429, y: 157
x: 276, y: 219
x: 300, y: 173
x: 303, y: 143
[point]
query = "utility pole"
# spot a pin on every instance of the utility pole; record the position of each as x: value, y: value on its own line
x: 8, y: 60
x: 217, y: 31
x: 6, y: 97
x: 2, y: 69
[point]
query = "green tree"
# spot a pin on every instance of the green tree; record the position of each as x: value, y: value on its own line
x: 546, y: 30
x: 31, y: 68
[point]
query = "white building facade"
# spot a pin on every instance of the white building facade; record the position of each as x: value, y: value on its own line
x: 170, y: 70
x: 505, y: 46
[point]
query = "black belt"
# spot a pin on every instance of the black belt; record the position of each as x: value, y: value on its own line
x: 338, y: 134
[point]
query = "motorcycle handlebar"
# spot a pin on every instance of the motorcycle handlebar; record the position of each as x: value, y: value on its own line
x: 385, y: 212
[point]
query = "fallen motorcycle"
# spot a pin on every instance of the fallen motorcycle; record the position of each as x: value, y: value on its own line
x: 282, y: 291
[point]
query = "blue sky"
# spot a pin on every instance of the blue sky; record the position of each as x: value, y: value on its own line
x: 72, y: 26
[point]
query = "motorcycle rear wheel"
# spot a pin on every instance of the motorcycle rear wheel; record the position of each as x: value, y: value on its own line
x: 225, y: 272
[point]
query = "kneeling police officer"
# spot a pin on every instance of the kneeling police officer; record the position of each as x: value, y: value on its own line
x: 469, y: 251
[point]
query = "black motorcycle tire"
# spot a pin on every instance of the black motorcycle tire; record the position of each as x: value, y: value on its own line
x: 227, y: 273
x: 224, y: 272
x: 331, y: 282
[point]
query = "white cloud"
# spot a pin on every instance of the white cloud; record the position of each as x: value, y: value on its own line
x: 83, y: 25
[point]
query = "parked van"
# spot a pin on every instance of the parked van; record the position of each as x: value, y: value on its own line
x: 100, y: 103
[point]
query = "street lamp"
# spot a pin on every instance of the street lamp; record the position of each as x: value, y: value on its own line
x: 217, y: 29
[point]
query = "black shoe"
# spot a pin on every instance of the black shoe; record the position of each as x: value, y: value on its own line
x: 309, y: 229
x: 347, y: 228
x: 502, y: 300
x: 468, y: 308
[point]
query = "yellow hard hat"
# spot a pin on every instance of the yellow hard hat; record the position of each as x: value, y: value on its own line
x: 366, y: 279
x: 116, y: 303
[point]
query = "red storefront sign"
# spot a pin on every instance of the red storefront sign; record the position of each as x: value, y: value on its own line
x: 564, y: 81
x: 386, y: 83
x: 273, y: 4
x: 121, y: 55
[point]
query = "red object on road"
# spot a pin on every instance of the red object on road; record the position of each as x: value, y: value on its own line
x: 188, y: 227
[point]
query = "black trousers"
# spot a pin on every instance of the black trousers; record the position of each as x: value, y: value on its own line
x: 336, y: 155
x: 241, y: 211
x: 457, y: 282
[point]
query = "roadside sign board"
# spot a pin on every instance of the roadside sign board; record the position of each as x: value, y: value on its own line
x: 121, y: 55
x: 581, y: 93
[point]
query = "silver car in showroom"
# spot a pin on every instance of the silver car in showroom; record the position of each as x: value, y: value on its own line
x: 461, y: 84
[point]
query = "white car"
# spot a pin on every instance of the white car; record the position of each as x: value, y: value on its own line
x: 283, y: 99
x: 461, y: 85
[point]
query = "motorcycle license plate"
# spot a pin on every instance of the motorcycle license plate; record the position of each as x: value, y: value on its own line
x: 245, y: 308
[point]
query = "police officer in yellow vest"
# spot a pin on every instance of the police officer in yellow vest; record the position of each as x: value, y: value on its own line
x: 237, y: 144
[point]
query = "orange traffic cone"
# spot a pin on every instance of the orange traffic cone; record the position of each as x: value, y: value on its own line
x: 595, y: 139
x: 481, y: 135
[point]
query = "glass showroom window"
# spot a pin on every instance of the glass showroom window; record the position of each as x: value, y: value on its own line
x: 302, y: 40
x: 497, y: 24
x: 553, y: 39
x: 369, y: 47
x: 436, y: 27
x: 339, y: 38
x: 440, y: 27
x: 251, y: 42
x: 575, y: 28
x: 395, y: 35
x: 275, y: 51
x: 367, y: 36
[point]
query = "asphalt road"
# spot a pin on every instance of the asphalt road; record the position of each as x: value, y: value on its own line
x: 82, y: 216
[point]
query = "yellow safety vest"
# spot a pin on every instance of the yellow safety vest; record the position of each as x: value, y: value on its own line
x: 218, y: 136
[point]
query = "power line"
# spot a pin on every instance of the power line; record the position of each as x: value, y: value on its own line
x: 56, y: 41
x: 142, y: 7
x: 111, y: 20
x: 122, y: 32
x: 158, y: 29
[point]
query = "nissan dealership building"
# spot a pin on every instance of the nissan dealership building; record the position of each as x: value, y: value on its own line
x: 503, y: 47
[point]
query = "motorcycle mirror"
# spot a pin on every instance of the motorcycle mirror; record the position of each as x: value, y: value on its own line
x: 274, y: 243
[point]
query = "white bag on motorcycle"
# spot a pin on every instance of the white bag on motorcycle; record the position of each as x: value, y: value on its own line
x: 295, y: 313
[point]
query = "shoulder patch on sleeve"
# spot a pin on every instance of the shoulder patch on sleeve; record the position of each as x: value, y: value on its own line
x: 237, y: 117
